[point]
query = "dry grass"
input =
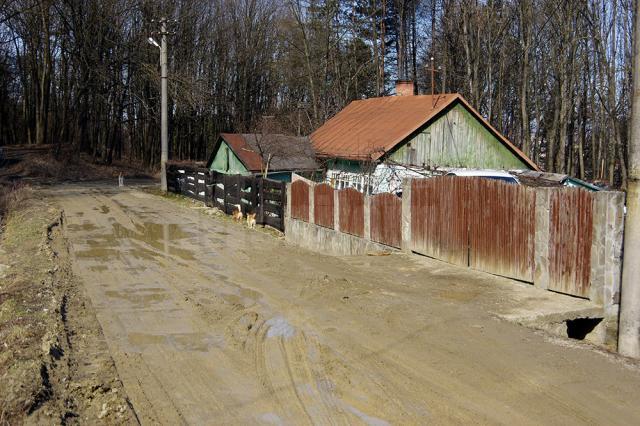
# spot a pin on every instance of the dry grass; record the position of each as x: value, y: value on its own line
x: 26, y: 300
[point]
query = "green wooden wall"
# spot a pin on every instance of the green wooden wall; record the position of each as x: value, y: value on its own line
x: 225, y: 161
x: 457, y: 139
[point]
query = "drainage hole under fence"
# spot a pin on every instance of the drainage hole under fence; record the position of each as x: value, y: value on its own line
x: 579, y: 328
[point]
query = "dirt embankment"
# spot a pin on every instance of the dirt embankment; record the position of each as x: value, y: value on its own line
x: 55, y: 366
x: 44, y: 164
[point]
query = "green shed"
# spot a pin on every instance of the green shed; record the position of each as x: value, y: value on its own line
x: 250, y: 153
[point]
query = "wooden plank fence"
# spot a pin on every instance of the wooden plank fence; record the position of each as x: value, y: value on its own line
x: 351, y: 208
x: 571, y: 223
x: 300, y: 200
x: 439, y: 219
x: 323, y: 205
x: 487, y: 225
x: 272, y: 202
x: 386, y: 219
x: 193, y: 182
x: 501, y: 228
x: 475, y: 222
x: 254, y: 194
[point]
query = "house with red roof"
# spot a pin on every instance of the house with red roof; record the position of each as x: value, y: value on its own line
x: 373, y: 143
x: 274, y: 155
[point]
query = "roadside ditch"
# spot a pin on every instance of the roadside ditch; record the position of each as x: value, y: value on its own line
x: 55, y: 365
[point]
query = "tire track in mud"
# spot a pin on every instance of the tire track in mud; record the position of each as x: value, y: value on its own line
x: 284, y: 367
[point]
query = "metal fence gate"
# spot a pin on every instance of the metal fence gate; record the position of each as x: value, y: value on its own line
x: 571, y: 231
x: 439, y: 219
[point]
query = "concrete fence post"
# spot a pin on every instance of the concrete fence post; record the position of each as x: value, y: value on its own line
x: 406, y: 214
x: 336, y: 210
x: 606, y: 247
x: 287, y: 210
x: 367, y: 217
x: 606, y: 258
x: 312, y: 213
x: 542, y: 237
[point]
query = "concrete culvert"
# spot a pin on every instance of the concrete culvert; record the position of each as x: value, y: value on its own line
x: 579, y: 328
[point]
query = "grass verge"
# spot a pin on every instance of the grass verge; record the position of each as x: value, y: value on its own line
x: 54, y: 364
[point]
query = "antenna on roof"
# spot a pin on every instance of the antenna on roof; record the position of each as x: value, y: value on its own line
x: 433, y: 80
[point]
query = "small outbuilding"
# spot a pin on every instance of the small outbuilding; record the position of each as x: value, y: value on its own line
x: 276, y: 155
x: 372, y: 144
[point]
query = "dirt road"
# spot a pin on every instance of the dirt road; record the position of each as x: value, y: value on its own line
x: 209, y: 322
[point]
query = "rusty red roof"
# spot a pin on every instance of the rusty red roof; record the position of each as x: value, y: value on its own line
x: 367, y: 129
x: 285, y: 153
x: 251, y: 159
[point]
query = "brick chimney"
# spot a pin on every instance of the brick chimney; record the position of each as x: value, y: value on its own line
x: 404, y: 88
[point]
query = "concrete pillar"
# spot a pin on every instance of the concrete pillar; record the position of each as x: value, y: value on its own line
x: 367, y: 217
x: 613, y: 252
x: 287, y: 210
x: 406, y: 214
x: 336, y: 211
x: 312, y: 216
x: 606, y: 247
x: 606, y: 276
x: 541, y: 239
x: 598, y: 248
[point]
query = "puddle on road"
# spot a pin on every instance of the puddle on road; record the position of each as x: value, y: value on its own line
x: 142, y: 297
x: 85, y: 226
x: 97, y: 253
x: 98, y: 268
x: 151, y: 231
x: 150, y: 240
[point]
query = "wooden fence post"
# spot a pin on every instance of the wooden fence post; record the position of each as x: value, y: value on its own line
x: 284, y: 204
x: 254, y: 195
x: 261, y: 200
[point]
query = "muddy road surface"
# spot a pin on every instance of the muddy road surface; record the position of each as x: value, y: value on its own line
x: 211, y: 323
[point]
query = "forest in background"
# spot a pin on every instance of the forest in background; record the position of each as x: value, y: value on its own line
x: 554, y: 76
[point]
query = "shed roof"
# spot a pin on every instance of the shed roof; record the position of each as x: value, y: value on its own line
x: 288, y: 153
x: 368, y: 129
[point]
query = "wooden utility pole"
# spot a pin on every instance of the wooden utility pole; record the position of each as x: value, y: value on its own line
x: 629, y: 327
